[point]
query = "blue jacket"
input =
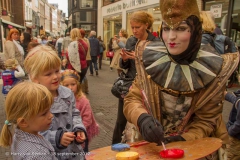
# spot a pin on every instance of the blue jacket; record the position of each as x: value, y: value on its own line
x: 66, y: 118
x: 233, y: 125
x: 94, y: 45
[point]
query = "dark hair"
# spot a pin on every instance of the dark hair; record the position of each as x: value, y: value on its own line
x: 110, y: 44
x: 27, y: 38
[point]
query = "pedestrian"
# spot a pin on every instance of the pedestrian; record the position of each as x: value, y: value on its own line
x: 12, y: 47
x: 77, y: 52
x: 84, y: 83
x: 94, y: 52
x: 50, y: 40
x: 39, y: 40
x: 44, y: 39
x: 66, y: 41
x: 67, y: 131
x: 70, y: 79
x: 233, y: 126
x: 221, y: 43
x: 64, y: 64
x: 25, y: 42
x: 101, y: 50
x: 178, y: 91
x: 218, y: 30
x: 28, y: 116
x: 10, y: 76
x: 110, y: 49
x: 117, y: 49
x: 32, y: 45
x: 58, y: 46
x: 2, y: 67
x: 140, y: 22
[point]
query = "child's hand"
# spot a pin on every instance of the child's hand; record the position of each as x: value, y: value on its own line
x: 67, y: 138
x: 80, y: 137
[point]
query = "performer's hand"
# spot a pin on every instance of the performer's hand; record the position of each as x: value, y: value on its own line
x: 173, y: 139
x: 150, y: 131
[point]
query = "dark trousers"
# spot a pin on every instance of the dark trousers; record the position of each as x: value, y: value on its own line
x: 111, y: 60
x: 82, y: 74
x: 100, y: 60
x: 94, y: 61
x: 120, y: 124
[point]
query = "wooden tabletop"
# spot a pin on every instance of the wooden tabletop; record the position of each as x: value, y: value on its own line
x: 192, y: 150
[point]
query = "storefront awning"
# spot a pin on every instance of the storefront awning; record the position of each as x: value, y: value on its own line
x: 13, y: 24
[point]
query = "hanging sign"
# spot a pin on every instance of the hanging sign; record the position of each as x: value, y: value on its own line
x: 216, y: 10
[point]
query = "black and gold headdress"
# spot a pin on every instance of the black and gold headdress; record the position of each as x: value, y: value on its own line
x: 176, y: 11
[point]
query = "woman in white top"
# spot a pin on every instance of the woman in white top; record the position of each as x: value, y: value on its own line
x: 12, y: 47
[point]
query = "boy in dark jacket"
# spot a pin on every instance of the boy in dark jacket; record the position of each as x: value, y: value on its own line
x: 233, y: 125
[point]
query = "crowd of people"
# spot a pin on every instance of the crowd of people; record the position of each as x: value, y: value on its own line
x: 177, y: 93
x: 62, y: 121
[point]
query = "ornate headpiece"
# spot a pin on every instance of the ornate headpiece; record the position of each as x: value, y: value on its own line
x: 176, y: 11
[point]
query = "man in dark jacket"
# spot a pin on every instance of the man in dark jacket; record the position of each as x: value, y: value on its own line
x: 94, y: 52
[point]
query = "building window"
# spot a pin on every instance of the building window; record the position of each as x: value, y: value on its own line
x: 86, y: 4
x: 74, y: 3
x: 36, y: 3
x: 235, y: 31
x: 84, y: 17
x: 111, y: 27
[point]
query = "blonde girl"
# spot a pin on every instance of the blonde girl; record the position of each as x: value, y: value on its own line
x: 27, y: 113
x: 77, y: 52
x: 67, y: 130
x: 70, y: 79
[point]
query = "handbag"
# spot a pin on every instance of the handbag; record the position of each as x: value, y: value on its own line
x: 121, y: 85
x: 110, y: 54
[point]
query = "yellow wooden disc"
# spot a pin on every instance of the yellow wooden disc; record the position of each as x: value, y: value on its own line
x: 128, y: 155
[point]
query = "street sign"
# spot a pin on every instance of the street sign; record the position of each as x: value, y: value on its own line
x: 216, y: 10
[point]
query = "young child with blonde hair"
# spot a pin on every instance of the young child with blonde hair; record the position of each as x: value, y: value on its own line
x: 70, y: 79
x: 64, y: 64
x: 67, y: 131
x: 10, y: 75
x: 27, y: 113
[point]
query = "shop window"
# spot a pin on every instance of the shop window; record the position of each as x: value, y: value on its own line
x: 221, y: 16
x: 236, y: 23
x: 86, y: 27
x: 111, y: 27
